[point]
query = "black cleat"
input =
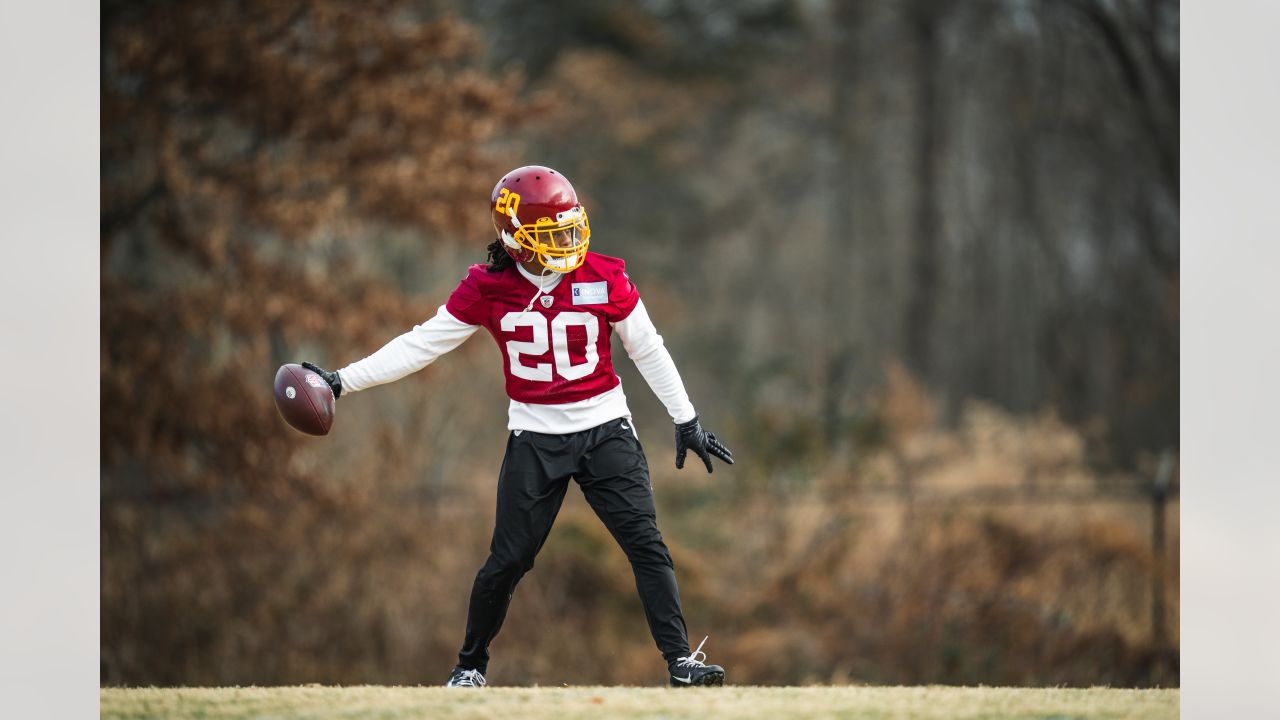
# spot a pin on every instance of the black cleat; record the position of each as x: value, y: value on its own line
x: 690, y: 670
x: 463, y: 677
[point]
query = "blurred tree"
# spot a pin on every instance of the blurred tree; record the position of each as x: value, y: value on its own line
x: 986, y: 191
x: 249, y: 150
x: 983, y: 192
x: 675, y: 38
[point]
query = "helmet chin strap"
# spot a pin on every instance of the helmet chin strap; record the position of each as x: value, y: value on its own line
x: 541, y: 289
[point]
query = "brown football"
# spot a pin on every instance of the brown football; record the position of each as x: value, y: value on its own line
x: 304, y: 399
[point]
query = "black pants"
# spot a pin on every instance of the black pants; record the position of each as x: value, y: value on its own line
x: 609, y: 465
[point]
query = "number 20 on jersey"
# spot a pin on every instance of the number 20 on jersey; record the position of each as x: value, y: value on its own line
x: 559, y: 342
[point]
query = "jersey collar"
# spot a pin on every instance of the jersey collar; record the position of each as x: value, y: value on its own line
x: 547, y: 282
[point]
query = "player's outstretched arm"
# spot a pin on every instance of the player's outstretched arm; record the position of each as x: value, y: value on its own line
x: 403, y: 355
x: 691, y: 436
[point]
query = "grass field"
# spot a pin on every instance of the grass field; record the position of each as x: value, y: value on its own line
x: 926, y: 703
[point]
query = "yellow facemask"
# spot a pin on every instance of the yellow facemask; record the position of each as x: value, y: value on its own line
x: 561, y: 244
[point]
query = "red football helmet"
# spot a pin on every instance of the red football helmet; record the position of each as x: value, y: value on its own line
x: 536, y: 213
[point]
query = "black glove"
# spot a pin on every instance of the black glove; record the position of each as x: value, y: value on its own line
x: 334, y: 380
x: 691, y: 436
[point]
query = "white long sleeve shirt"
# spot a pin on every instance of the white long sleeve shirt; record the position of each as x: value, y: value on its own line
x: 426, y: 342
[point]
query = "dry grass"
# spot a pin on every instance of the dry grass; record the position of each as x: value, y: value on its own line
x: 925, y: 703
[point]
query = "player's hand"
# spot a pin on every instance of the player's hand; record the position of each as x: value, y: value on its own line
x: 691, y: 436
x: 333, y: 378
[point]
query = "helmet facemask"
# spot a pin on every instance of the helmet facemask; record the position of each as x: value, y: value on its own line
x: 559, y: 244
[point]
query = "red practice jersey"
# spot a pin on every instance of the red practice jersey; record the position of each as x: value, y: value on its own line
x: 557, y: 352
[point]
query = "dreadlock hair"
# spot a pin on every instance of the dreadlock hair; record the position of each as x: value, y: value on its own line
x: 499, y: 258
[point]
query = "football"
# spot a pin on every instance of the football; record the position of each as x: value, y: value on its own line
x: 304, y: 399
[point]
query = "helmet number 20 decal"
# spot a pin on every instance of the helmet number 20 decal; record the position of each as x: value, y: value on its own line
x: 507, y: 202
x: 559, y: 336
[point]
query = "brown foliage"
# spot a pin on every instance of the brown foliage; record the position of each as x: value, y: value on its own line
x: 247, y: 153
x: 284, y: 181
x: 297, y: 115
x: 987, y: 554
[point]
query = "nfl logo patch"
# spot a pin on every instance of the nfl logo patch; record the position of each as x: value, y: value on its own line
x: 547, y: 300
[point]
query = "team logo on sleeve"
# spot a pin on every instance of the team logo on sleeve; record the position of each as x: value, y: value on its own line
x: 592, y: 293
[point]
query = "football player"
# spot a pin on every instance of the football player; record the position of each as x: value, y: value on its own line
x: 551, y: 306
